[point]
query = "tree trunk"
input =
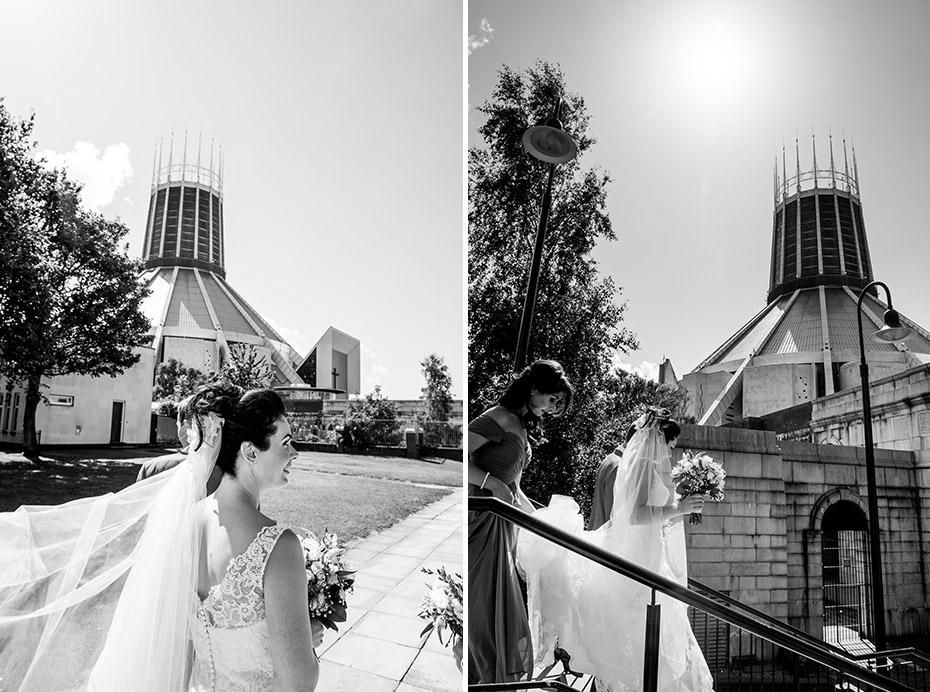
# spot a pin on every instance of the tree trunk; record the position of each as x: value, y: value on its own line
x: 33, y: 397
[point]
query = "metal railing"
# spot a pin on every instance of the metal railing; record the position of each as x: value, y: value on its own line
x: 317, y: 427
x: 438, y: 433
x: 760, y: 652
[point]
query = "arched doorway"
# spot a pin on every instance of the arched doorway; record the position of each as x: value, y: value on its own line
x: 846, y: 590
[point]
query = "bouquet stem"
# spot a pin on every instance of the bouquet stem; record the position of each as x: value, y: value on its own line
x: 695, y: 518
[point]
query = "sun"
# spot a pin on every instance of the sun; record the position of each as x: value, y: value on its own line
x: 713, y: 62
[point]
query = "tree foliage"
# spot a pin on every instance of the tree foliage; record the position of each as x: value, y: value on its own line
x: 174, y: 382
x: 370, y: 421
x: 247, y: 368
x: 437, y: 393
x: 69, y: 298
x: 578, y: 315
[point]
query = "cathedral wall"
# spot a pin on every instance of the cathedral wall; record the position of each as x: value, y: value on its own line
x: 194, y: 353
x: 768, y: 388
x: 762, y: 543
x: 702, y: 389
x: 850, y: 377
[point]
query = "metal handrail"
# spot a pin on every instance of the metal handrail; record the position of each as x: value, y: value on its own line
x: 909, y: 651
x: 772, y: 621
x: 631, y: 570
x: 526, y: 685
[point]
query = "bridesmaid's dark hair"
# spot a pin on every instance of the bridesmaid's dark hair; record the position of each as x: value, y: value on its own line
x: 546, y: 377
x: 248, y: 416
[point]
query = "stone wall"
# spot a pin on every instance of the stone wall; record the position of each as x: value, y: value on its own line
x: 900, y: 413
x: 762, y: 543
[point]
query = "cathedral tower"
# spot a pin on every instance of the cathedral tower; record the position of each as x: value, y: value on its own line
x: 197, y: 317
x: 185, y: 220
x: 804, y: 343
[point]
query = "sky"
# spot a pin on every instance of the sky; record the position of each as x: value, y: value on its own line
x: 341, y: 128
x: 690, y: 103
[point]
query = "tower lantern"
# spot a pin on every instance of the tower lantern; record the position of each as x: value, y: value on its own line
x: 818, y: 236
x: 185, y: 219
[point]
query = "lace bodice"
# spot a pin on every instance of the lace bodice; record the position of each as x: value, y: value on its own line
x: 230, y: 634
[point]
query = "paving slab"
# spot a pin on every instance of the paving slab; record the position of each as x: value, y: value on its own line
x: 379, y: 647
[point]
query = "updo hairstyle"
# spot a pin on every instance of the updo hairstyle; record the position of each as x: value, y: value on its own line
x: 248, y: 416
x: 671, y: 429
x: 546, y: 377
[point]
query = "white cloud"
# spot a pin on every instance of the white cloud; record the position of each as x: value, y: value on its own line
x: 373, y: 372
x: 301, y: 341
x: 100, y: 175
x: 482, y: 38
x: 646, y: 369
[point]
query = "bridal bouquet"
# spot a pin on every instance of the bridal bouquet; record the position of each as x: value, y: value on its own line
x: 699, y: 474
x: 329, y: 579
x: 442, y: 608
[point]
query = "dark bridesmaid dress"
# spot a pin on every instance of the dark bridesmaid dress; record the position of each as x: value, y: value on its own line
x: 499, y: 644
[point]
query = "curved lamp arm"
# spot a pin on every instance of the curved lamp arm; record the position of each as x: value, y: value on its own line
x: 859, y: 312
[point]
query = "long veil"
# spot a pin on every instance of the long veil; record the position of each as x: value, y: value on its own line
x: 98, y: 594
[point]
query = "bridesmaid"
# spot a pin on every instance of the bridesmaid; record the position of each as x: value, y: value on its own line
x: 499, y: 644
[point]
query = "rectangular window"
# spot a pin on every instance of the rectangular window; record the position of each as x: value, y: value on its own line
x: 6, y: 413
x: 60, y: 400
x: 15, y: 412
x: 829, y: 246
x: 188, y: 213
x: 172, y: 221
x: 809, y: 264
x: 776, y: 251
x: 846, y: 233
x: 203, y: 225
x: 158, y: 201
x: 791, y: 241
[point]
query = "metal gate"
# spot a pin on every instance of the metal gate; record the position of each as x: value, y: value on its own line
x: 846, y: 589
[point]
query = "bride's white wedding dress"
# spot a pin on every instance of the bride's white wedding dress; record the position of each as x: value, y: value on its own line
x: 598, y: 616
x: 231, y: 633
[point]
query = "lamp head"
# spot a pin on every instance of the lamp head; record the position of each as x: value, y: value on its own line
x: 892, y: 331
x: 548, y: 142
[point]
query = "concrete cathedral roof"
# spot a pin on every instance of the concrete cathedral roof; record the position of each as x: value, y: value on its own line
x: 799, y: 327
x: 189, y: 302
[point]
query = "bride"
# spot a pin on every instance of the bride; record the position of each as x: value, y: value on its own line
x: 598, y: 616
x: 109, y: 593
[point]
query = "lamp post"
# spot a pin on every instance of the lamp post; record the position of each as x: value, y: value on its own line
x: 546, y: 142
x: 891, y: 332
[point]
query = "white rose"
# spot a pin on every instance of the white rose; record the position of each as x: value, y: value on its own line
x: 439, y: 597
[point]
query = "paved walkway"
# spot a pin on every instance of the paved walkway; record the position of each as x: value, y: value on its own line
x: 379, y: 648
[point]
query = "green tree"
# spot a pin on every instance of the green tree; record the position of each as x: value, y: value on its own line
x: 174, y: 382
x: 578, y: 316
x: 69, y: 298
x: 625, y: 399
x: 437, y: 393
x: 370, y: 421
x: 246, y: 367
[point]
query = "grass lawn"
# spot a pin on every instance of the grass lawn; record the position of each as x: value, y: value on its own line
x: 351, y: 496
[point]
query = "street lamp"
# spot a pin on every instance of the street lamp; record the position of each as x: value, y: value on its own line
x: 547, y: 142
x: 892, y: 331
